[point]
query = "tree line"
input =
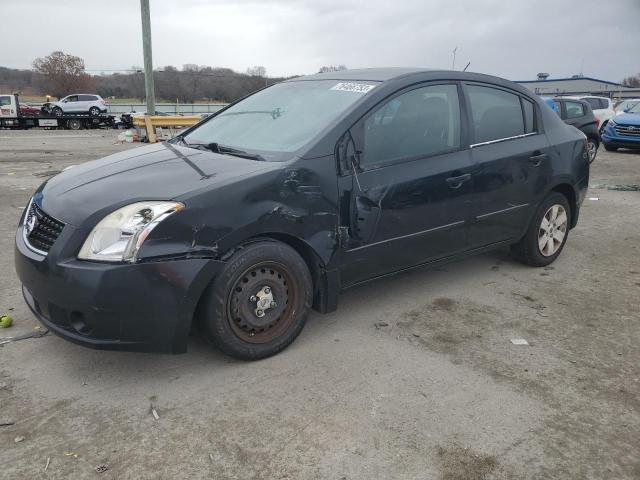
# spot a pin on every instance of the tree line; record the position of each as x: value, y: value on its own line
x: 60, y: 74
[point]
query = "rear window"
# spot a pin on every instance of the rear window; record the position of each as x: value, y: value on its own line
x: 597, y: 103
x: 574, y: 109
x: 497, y: 114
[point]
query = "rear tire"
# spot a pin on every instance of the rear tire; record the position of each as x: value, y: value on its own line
x: 592, y: 149
x: 74, y: 124
x: 94, y: 111
x: 258, y: 304
x: 547, y: 232
x: 610, y: 148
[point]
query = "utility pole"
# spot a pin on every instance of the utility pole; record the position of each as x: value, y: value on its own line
x: 148, y: 60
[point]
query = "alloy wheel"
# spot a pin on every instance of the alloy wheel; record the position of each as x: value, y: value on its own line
x: 592, y: 149
x: 553, y: 230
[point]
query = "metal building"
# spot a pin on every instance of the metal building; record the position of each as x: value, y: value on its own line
x: 578, y: 85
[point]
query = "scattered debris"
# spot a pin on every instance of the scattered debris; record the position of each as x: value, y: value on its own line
x: 18, y: 439
x: 6, y: 424
x: 102, y: 468
x: 154, y: 413
x: 47, y: 465
x: 380, y: 324
x: 620, y: 188
x: 519, y: 341
x: 594, y: 199
x: 6, y: 321
x: 71, y: 454
x: 36, y: 334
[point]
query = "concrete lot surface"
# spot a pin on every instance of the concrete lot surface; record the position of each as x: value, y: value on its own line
x: 414, y: 377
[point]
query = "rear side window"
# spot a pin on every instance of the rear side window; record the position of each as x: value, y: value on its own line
x: 574, y: 109
x: 596, y: 103
x: 87, y: 98
x: 421, y: 122
x: 496, y: 114
x: 529, y: 116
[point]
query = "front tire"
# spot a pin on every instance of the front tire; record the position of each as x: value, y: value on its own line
x: 57, y: 111
x: 94, y: 111
x: 258, y: 304
x: 547, y: 232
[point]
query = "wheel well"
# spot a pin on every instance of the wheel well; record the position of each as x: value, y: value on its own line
x: 568, y: 191
x: 314, y: 263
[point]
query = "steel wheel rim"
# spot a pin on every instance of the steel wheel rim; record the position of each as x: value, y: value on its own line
x: 553, y: 230
x: 591, y: 150
x: 241, y: 309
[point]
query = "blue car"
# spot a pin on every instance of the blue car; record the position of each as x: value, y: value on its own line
x: 623, y: 131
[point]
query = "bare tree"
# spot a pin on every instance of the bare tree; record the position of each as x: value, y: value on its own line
x: 632, y: 81
x: 64, y: 72
x: 332, y: 68
x: 257, y: 71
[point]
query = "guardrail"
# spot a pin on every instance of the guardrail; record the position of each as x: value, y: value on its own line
x: 171, y: 108
x: 150, y: 123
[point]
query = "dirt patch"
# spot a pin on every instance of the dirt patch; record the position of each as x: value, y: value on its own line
x: 458, y: 463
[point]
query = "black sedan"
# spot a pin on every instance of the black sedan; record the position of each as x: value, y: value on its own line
x: 278, y: 202
x: 578, y: 113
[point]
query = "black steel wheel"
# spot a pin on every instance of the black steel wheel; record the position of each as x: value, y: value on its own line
x: 258, y: 304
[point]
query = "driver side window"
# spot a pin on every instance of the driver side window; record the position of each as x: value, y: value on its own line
x: 418, y: 123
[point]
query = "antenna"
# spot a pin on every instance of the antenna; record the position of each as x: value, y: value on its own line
x: 465, y: 68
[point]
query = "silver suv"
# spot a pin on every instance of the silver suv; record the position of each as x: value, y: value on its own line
x: 79, y: 103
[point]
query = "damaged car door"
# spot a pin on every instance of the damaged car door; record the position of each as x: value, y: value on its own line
x: 407, y: 182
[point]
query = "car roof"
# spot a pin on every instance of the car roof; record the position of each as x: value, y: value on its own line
x: 393, y: 73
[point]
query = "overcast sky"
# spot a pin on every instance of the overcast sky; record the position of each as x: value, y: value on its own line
x: 509, y: 38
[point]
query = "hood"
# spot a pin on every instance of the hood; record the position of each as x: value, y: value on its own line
x: 627, y: 119
x: 156, y: 172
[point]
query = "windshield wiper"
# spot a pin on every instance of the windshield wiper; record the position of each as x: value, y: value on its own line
x: 223, y: 149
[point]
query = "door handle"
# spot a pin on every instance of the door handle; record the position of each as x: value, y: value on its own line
x: 456, y: 182
x: 536, y: 160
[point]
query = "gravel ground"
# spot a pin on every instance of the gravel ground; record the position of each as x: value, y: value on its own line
x: 413, y: 377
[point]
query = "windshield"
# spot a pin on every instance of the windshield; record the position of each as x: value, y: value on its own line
x: 282, y: 118
x: 635, y: 108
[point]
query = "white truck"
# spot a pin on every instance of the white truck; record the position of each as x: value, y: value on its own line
x: 11, y: 117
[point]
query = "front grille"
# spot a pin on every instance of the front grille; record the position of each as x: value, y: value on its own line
x: 629, y: 130
x: 41, y: 230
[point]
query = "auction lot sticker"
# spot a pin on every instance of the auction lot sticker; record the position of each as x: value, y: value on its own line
x: 353, y: 87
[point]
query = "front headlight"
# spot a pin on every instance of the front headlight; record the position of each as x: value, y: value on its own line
x: 119, y: 235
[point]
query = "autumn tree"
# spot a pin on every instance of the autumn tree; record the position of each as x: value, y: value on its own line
x: 65, y: 73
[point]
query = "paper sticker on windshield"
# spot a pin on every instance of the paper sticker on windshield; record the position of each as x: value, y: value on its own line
x: 353, y: 87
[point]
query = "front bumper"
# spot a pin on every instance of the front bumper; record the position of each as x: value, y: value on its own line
x: 612, y: 139
x: 139, y: 307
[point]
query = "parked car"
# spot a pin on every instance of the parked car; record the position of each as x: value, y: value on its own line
x: 622, y: 106
x: 623, y: 131
x: 29, y: 110
x: 278, y: 202
x: 602, y: 108
x: 579, y: 114
x: 79, y: 103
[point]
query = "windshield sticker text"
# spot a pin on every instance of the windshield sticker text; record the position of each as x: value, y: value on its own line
x: 353, y: 87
